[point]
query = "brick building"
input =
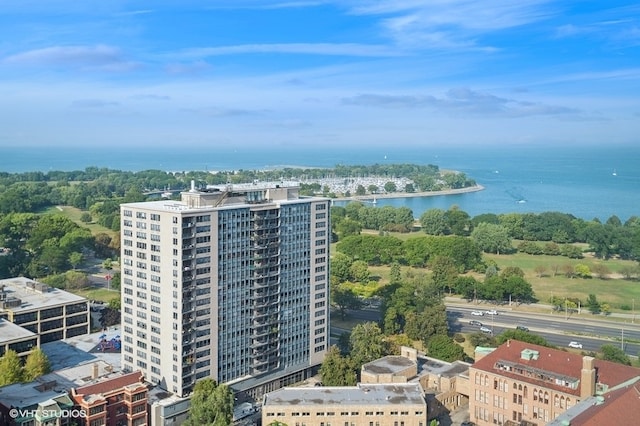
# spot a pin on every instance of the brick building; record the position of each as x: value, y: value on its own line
x: 120, y: 400
x: 520, y: 383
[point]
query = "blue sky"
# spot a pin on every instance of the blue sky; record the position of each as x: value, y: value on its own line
x: 319, y: 72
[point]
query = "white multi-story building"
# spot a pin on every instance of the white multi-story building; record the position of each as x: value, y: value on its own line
x: 230, y: 283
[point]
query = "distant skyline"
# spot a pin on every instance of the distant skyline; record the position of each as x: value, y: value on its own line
x: 388, y: 73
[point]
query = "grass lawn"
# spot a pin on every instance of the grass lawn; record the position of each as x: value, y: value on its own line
x: 101, y: 294
x: 619, y: 293
x: 615, y: 290
x: 74, y: 214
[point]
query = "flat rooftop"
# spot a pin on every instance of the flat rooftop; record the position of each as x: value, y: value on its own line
x: 82, y: 349
x: 54, y: 384
x: 31, y: 295
x: 442, y: 368
x: 388, y: 365
x: 10, y: 332
x: 363, y: 394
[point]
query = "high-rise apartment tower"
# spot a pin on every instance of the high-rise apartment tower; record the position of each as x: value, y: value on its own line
x: 231, y: 282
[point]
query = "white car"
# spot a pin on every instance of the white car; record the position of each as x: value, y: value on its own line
x: 486, y: 330
x: 575, y: 345
x: 477, y: 313
x: 491, y: 312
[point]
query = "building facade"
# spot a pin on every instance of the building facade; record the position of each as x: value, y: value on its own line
x: 388, y: 404
x: 120, y: 400
x: 524, y: 384
x: 230, y: 283
x: 50, y: 313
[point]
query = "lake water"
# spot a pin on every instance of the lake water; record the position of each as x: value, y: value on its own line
x: 588, y: 182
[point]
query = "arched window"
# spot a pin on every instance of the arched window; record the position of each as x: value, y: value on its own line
x: 519, y: 387
x: 556, y: 401
x: 525, y: 391
x: 535, y: 394
x: 546, y: 397
x: 562, y: 402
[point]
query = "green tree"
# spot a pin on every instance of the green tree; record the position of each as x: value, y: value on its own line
x: 390, y: 187
x: 348, y: 226
x: 367, y: 343
x: 444, y: 273
x: 341, y: 266
x: 458, y: 221
x: 85, y: 217
x: 36, y: 365
x: 491, y: 238
x: 75, y: 259
x: 434, y: 222
x: 614, y: 354
x: 522, y: 336
x: 582, y: 270
x: 343, y: 298
x: 76, y: 280
x: 115, y: 304
x: 10, y: 368
x: 336, y: 369
x: 443, y: 347
x: 211, y: 404
x: 593, y: 305
x: 395, y: 273
x: 359, y: 271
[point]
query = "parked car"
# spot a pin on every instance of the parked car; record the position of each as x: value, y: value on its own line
x: 477, y: 313
x: 476, y: 323
x: 486, y: 330
x: 575, y: 345
x: 491, y: 312
x: 467, y: 423
x: 522, y: 328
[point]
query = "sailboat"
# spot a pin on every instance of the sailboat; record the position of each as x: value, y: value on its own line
x: 614, y: 172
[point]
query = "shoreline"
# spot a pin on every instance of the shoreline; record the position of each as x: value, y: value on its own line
x: 370, y: 197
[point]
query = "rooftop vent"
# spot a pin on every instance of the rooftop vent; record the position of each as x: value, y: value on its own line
x: 10, y: 302
x: 529, y: 354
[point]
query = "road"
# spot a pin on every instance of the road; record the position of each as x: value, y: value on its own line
x: 556, y: 329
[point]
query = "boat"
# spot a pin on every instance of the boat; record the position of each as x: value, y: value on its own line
x: 614, y: 172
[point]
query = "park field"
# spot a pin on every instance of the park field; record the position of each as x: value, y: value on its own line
x: 74, y: 214
x: 619, y: 293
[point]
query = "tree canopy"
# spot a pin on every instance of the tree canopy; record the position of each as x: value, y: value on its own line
x: 211, y: 404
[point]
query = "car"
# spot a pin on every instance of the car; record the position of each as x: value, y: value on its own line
x: 486, y: 330
x: 476, y: 323
x: 522, y: 328
x: 575, y: 345
x: 467, y: 423
x: 491, y: 312
x: 477, y: 313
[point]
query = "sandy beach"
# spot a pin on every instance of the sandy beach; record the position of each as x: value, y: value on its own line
x: 413, y: 194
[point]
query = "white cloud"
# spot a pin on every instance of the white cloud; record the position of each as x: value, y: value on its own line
x: 462, y: 101
x: 103, y: 57
x: 332, y: 49
x: 446, y: 24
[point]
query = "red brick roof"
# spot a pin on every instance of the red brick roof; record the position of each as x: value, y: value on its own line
x: 555, y: 361
x: 111, y: 385
x: 620, y: 407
